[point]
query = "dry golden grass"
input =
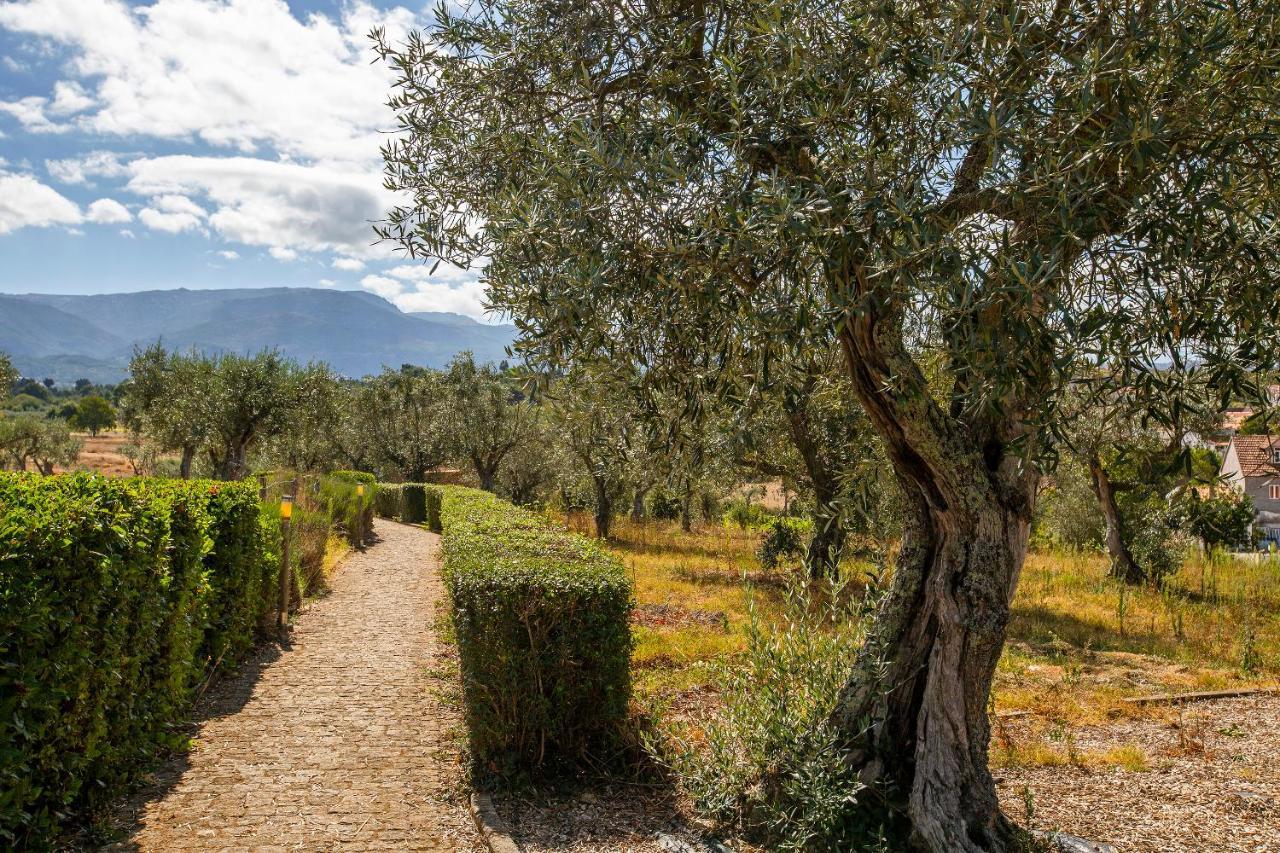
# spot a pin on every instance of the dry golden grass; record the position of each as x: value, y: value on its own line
x: 1079, y: 642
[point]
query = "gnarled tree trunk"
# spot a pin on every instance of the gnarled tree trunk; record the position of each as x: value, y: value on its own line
x: 603, y: 508
x: 913, y: 713
x: 1123, y: 565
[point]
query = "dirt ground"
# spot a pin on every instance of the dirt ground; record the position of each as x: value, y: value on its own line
x: 1210, y: 780
x: 101, y: 453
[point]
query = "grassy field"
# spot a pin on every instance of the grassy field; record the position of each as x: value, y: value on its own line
x: 1079, y: 643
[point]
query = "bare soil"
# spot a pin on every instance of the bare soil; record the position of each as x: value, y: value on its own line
x: 1212, y: 782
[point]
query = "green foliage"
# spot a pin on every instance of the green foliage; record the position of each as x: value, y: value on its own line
x: 411, y: 503
x: 786, y: 537
x: 25, y: 403
x: 543, y: 637
x: 115, y: 598
x: 1223, y: 519
x: 1067, y: 514
x: 94, y: 413
x: 8, y: 374
x: 352, y: 512
x: 1151, y: 526
x: 747, y: 516
x: 777, y: 702
x: 414, y: 503
x: 27, y: 440
x: 664, y: 505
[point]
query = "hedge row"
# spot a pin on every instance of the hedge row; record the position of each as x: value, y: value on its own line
x: 116, y: 597
x: 541, y: 618
x: 412, y: 503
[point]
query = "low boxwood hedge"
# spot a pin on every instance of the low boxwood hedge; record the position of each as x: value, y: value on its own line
x: 116, y: 597
x: 411, y: 503
x: 541, y: 619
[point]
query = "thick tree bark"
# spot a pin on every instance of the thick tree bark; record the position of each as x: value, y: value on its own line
x: 686, y: 508
x: 822, y: 559
x: 184, y: 467
x: 603, y: 508
x: 1123, y: 565
x: 485, y: 473
x: 913, y: 713
x: 637, y: 503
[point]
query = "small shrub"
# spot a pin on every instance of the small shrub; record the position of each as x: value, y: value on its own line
x: 386, y: 501
x: 433, y: 499
x: 774, y: 725
x: 786, y: 538
x: 747, y: 516
x: 663, y: 505
x: 346, y: 507
x: 541, y: 619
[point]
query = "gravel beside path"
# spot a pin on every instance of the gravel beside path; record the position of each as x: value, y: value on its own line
x: 1213, y: 782
x: 347, y: 739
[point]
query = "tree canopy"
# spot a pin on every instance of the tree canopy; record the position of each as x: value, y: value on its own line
x: 975, y: 202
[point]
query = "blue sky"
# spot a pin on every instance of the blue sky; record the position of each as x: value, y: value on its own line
x: 201, y: 143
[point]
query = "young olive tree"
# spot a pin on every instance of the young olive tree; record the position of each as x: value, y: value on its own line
x: 591, y: 409
x: 8, y: 374
x: 490, y: 415
x: 975, y: 199
x: 403, y: 416
x: 167, y: 398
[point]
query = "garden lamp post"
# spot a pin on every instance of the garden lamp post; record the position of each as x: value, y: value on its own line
x: 286, y: 515
x: 360, y: 515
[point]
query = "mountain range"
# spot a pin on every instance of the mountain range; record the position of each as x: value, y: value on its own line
x: 356, y: 333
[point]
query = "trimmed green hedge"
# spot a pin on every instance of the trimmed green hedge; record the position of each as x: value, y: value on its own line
x: 541, y: 618
x: 411, y: 503
x: 116, y: 596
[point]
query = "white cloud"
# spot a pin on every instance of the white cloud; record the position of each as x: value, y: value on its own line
x: 466, y: 299
x: 272, y: 204
x: 387, y: 288
x: 25, y: 202
x: 348, y: 264
x: 281, y: 253
x: 229, y: 254
x: 69, y: 97
x: 415, y: 288
x: 305, y: 88
x: 108, y: 211
x: 30, y: 113
x: 327, y: 282
x: 174, y: 223
x: 105, y: 164
x: 174, y: 203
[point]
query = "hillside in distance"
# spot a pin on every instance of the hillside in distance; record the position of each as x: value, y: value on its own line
x: 356, y: 333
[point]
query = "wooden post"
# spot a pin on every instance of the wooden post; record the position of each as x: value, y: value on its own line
x: 262, y: 488
x: 286, y: 569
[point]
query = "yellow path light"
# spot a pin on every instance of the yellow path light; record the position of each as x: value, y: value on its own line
x: 286, y: 507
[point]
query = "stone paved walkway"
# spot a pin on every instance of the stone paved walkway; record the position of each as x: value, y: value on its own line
x: 348, y: 739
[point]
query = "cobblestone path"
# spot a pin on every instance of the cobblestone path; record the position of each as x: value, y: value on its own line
x: 347, y: 739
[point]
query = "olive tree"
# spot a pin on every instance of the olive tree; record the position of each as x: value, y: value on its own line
x: 94, y: 413
x: 167, y: 398
x: 8, y: 374
x: 491, y: 415
x: 403, y: 417
x: 975, y: 199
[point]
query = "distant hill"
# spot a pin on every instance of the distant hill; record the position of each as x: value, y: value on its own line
x: 68, y: 337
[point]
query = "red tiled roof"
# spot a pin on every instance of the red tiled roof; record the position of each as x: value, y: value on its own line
x: 1232, y: 419
x: 1256, y: 456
